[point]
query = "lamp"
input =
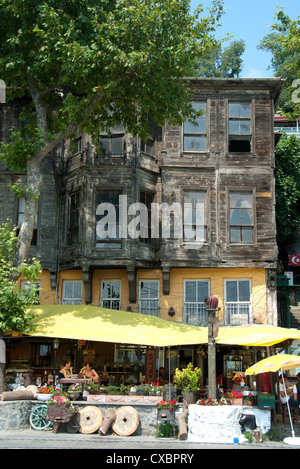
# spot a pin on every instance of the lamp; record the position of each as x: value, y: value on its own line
x: 171, y: 311
x: 55, y: 348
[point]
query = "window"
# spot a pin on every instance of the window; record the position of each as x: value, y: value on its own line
x: 194, y: 220
x: 194, y: 135
x: 107, y: 219
x: 112, y: 145
x: 194, y: 310
x: 239, y: 127
x: 238, y: 307
x: 147, y: 199
x: 148, y: 146
x: 29, y: 288
x: 241, y: 217
x: 73, y: 229
x: 149, y: 297
x: 72, y: 292
x: 110, y: 294
x: 21, y: 209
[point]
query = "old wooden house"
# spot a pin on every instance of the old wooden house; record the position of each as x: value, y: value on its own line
x: 224, y: 165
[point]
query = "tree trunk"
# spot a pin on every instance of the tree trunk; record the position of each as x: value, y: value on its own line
x: 3, y: 386
x: 108, y: 419
x: 182, y: 425
x: 34, y: 184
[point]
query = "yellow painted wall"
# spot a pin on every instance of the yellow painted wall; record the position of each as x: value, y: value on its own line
x: 216, y: 277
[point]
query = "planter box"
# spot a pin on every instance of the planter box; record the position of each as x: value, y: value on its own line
x: 107, y: 399
x: 59, y: 412
x: 165, y: 414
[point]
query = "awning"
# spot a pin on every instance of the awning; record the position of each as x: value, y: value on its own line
x: 255, y: 335
x: 84, y: 322
x: 107, y: 325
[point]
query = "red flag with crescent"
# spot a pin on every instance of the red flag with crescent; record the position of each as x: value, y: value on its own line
x: 294, y: 259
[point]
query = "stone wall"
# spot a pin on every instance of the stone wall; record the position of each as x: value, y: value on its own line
x: 14, y: 415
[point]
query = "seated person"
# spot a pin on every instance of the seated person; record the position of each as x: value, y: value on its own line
x: 66, y: 371
x: 88, y: 372
x: 293, y: 402
x: 162, y: 379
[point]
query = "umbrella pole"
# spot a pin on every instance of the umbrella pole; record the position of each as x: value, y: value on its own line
x: 288, y: 407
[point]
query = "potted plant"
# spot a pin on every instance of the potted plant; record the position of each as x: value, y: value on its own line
x: 45, y: 392
x: 60, y: 406
x: 187, y: 380
x: 166, y: 409
x: 74, y: 391
x: 234, y: 398
x: 249, y: 399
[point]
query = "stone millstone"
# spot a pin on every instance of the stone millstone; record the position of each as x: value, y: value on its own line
x: 89, y: 419
x: 127, y: 421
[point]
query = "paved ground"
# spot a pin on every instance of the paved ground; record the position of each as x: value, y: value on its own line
x: 137, y: 449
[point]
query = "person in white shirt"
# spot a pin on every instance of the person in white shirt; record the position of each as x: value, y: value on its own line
x: 292, y: 399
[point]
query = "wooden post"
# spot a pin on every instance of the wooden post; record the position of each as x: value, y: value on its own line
x: 182, y: 425
x: 212, y: 386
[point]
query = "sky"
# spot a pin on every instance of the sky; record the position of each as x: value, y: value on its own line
x: 251, y: 20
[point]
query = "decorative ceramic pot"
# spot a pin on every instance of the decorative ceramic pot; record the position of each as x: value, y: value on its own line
x: 43, y: 397
x: 74, y: 395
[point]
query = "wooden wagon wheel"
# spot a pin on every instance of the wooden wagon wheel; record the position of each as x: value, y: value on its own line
x: 127, y: 421
x: 89, y: 419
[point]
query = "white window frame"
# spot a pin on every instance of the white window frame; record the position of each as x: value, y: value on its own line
x: 243, y: 308
x: 71, y: 300
x: 148, y: 306
x: 114, y: 303
x: 193, y: 132
x: 195, y: 313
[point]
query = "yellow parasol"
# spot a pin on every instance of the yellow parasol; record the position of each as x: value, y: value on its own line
x: 275, y: 363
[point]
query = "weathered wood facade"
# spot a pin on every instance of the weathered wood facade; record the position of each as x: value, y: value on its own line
x: 228, y: 162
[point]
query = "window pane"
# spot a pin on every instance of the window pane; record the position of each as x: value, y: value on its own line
x: 245, y: 127
x: 190, y: 292
x: 202, y: 291
x: 231, y: 291
x: 234, y: 127
x: 149, y: 290
x: 116, y: 145
x: 233, y: 109
x: 235, y: 217
x: 194, y: 143
x: 235, y: 235
x: 246, y: 217
x: 247, y: 235
x: 244, y: 290
x: 245, y: 110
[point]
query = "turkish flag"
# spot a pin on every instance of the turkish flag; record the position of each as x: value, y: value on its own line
x: 294, y: 259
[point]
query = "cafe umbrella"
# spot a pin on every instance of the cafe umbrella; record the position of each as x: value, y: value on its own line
x: 279, y: 362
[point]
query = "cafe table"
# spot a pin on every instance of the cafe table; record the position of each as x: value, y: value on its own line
x: 74, y: 380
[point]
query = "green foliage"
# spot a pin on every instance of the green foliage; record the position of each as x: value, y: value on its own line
x: 165, y: 430
x: 188, y: 378
x: 284, y: 45
x: 15, y: 314
x: 287, y: 176
x: 221, y: 63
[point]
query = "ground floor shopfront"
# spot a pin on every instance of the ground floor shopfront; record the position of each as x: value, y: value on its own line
x: 125, y: 364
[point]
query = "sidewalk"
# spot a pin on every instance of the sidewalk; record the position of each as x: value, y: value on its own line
x: 32, y: 439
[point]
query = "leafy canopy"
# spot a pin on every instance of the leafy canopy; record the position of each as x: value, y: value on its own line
x: 14, y: 313
x: 84, y: 62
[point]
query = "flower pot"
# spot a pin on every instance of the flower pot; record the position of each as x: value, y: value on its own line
x: 249, y: 403
x: 74, y: 395
x: 43, y: 397
x: 165, y: 414
x: 189, y: 397
x: 237, y: 401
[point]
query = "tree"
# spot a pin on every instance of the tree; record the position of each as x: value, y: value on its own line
x: 15, y: 313
x: 88, y: 65
x: 225, y: 63
x: 284, y: 45
x: 287, y: 177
